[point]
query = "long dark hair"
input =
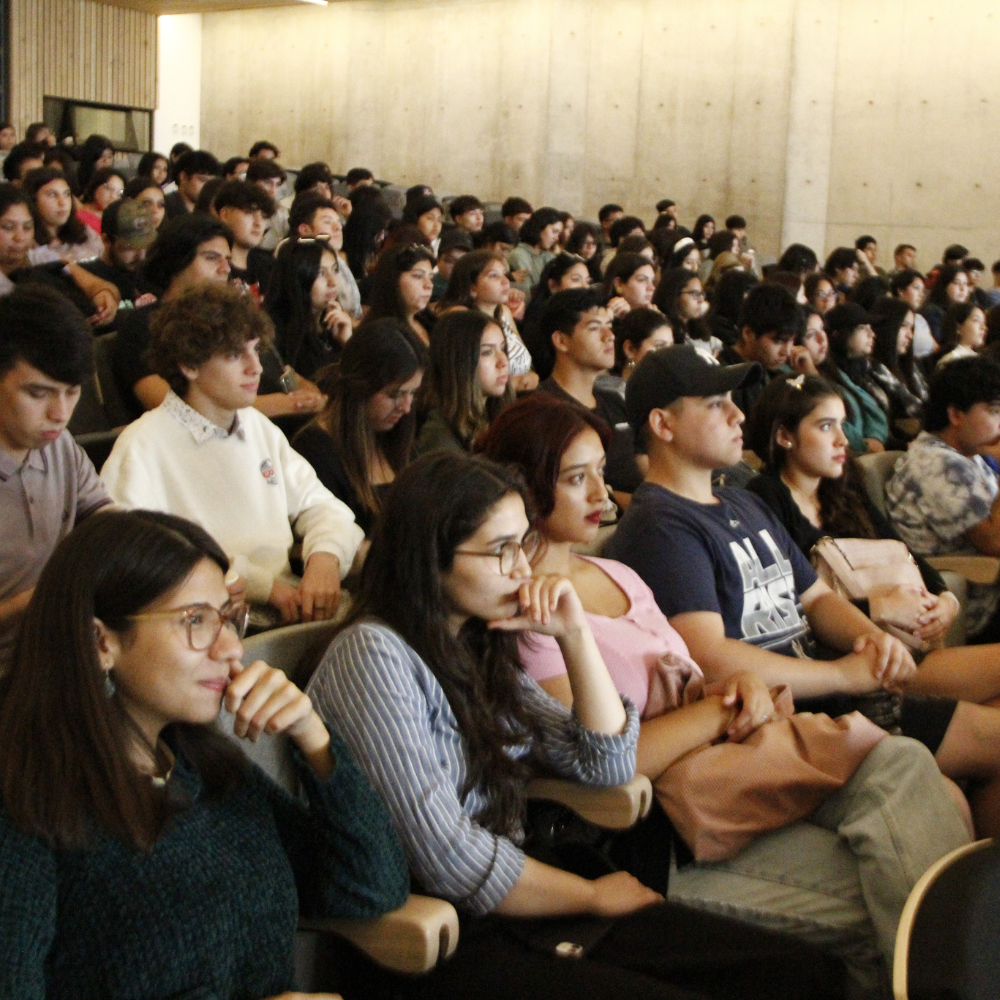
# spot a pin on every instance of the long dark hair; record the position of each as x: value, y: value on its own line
x: 666, y: 298
x: 887, y: 317
x: 434, y: 506
x: 365, y: 228
x: 951, y: 327
x: 784, y: 404
x: 382, y: 354
x: 74, y: 230
x: 94, y: 147
x: 288, y: 301
x: 452, y: 383
x: 67, y: 761
x: 384, y: 297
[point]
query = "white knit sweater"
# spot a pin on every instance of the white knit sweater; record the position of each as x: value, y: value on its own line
x: 246, y: 487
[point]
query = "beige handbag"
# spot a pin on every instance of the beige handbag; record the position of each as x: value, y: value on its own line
x: 855, y: 567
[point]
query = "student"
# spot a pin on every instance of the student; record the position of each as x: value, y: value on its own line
x: 585, y: 241
x: 47, y: 483
x: 192, y: 171
x: 235, y: 168
x: 155, y: 167
x: 453, y: 246
x: 358, y: 177
x: 264, y: 150
x: 637, y: 333
x: 498, y: 237
x: 607, y: 216
x: 311, y: 328
x: 560, y: 452
x: 561, y: 273
x: 851, y: 337
x: 679, y: 296
x: 270, y: 177
x: 576, y: 327
x: 313, y: 178
x: 893, y: 366
x: 22, y: 158
x: 942, y: 495
x: 950, y: 288
x: 468, y: 381
x: 516, y: 212
x: 401, y: 286
x: 425, y: 213
x: 150, y: 196
x: 8, y: 139
x: 623, y: 226
x: 467, y: 213
x: 843, y: 269
x: 364, y: 437
x: 904, y: 258
x: 629, y: 283
x: 539, y: 237
x: 365, y: 230
x: 187, y: 251
x: 963, y: 333
x: 908, y: 286
x: 127, y: 231
x: 64, y: 237
x: 480, y: 281
x: 106, y: 186
x: 134, y: 819
x: 704, y: 228
x: 314, y: 217
x: 244, y: 208
x: 769, y: 320
x: 206, y: 447
x: 425, y: 687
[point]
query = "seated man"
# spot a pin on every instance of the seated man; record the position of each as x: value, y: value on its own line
x: 942, y: 497
x: 207, y: 455
x: 769, y: 321
x: 127, y: 231
x: 21, y: 160
x: 467, y: 213
x: 47, y: 483
x: 358, y: 177
x: 245, y: 209
x: 194, y: 169
x: 741, y: 594
x: 516, y: 212
x: 576, y: 345
x: 270, y: 177
x: 188, y: 251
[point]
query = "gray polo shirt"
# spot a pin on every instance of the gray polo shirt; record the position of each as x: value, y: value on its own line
x: 41, y: 499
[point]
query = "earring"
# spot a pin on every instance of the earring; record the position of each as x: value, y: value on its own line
x: 786, y: 444
x: 109, y: 685
x: 630, y: 367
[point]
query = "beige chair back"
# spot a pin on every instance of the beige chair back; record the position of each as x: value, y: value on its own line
x: 876, y: 471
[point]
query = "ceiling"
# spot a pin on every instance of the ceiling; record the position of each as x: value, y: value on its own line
x: 196, y: 6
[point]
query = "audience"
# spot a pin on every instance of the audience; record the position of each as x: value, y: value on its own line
x: 205, y: 445
x: 192, y: 171
x: 433, y: 705
x: 63, y: 234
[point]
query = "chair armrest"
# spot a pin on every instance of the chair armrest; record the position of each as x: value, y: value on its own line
x: 615, y: 808
x: 975, y: 569
x: 412, y: 939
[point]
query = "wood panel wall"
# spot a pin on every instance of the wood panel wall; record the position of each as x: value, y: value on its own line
x: 79, y: 49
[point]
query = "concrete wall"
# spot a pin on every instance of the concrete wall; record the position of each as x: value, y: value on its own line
x: 816, y: 119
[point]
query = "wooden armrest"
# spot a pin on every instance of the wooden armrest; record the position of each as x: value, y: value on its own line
x: 975, y: 569
x: 615, y: 808
x: 412, y: 939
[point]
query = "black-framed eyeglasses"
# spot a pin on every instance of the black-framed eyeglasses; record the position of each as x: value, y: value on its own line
x: 203, y: 622
x: 510, y: 552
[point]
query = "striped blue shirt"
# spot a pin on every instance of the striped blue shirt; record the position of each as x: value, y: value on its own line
x: 390, y: 710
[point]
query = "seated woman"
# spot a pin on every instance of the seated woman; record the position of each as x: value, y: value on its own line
x: 795, y: 429
x: 893, y: 366
x: 150, y: 196
x: 310, y: 325
x: 847, y: 364
x: 637, y: 333
x: 364, y: 436
x: 154, y: 166
x: 400, y: 287
x: 950, y: 288
x: 567, y: 270
x: 64, y: 236
x: 586, y: 241
x: 629, y: 282
x: 561, y: 452
x: 424, y: 686
x: 480, y: 280
x: 963, y: 333
x: 106, y: 185
x: 727, y: 303
x: 467, y: 381
x: 143, y: 854
x: 704, y: 229
x: 539, y: 244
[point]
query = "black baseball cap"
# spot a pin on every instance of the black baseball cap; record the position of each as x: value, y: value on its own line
x: 677, y: 371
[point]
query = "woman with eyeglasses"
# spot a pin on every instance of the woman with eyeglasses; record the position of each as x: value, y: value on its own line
x: 468, y: 381
x: 105, y: 186
x: 425, y: 686
x: 310, y: 325
x: 681, y: 298
x: 364, y: 437
x: 401, y: 286
x: 820, y: 293
x: 143, y: 855
x: 481, y: 280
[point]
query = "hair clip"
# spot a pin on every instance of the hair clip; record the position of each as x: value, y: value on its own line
x: 797, y: 382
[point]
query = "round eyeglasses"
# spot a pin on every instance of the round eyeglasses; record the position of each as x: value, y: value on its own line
x: 509, y: 552
x: 203, y: 622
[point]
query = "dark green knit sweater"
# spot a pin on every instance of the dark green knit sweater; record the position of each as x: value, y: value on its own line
x: 211, y: 911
